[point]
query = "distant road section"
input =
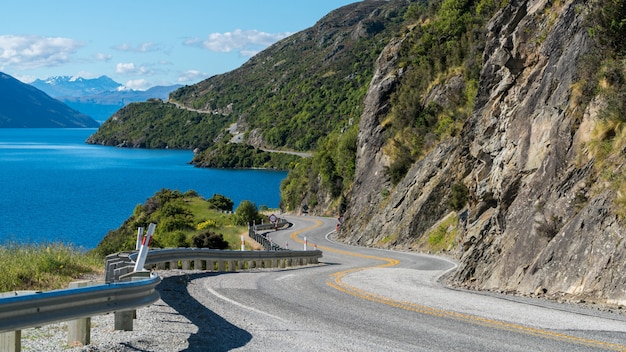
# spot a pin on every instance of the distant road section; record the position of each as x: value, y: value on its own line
x: 238, y: 135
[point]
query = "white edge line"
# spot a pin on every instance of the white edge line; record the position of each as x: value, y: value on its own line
x: 213, y: 292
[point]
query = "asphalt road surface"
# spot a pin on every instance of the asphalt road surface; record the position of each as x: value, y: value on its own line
x: 363, y: 299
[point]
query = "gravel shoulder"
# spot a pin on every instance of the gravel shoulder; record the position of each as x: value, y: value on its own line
x: 158, y: 327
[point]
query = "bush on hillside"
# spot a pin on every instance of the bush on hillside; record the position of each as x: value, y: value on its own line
x: 209, y: 239
x: 220, y: 202
x: 247, y: 213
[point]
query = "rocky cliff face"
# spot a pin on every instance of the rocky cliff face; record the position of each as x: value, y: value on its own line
x: 536, y: 222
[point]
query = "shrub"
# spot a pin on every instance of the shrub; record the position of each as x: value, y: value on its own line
x: 399, y: 168
x: 220, y: 202
x: 247, y: 213
x: 459, y: 196
x: 208, y: 223
x: 208, y: 239
x: 174, y: 239
x: 550, y: 227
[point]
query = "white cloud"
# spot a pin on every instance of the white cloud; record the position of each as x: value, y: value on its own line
x: 140, y: 48
x: 85, y: 74
x: 249, y: 53
x: 244, y: 41
x: 129, y: 68
x: 103, y: 57
x: 125, y: 68
x: 138, y: 84
x: 27, y: 52
x: 191, y: 76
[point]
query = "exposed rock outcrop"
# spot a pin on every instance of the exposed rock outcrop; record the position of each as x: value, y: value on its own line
x: 535, y: 223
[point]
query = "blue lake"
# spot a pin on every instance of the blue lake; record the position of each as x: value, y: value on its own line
x: 56, y: 188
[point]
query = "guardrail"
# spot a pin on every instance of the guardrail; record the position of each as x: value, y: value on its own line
x: 120, y: 264
x: 36, y: 309
x: 124, y: 290
x: 24, y: 310
x: 262, y: 239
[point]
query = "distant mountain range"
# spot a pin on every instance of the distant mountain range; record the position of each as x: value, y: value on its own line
x: 24, y: 106
x: 98, y: 97
x: 68, y: 86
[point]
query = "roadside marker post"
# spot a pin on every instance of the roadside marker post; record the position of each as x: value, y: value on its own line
x: 139, y: 237
x: 143, y: 250
x: 243, y: 246
x: 305, y: 243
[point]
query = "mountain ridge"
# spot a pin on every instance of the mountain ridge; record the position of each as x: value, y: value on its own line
x: 98, y: 97
x: 70, y: 86
x: 24, y: 106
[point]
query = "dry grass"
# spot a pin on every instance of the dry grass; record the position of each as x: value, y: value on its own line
x: 45, y: 266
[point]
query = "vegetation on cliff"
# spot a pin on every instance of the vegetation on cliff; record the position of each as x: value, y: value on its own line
x: 441, y: 40
x: 604, y: 77
x: 441, y: 52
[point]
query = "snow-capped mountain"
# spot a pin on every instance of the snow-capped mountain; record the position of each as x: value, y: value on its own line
x: 68, y: 86
x: 97, y: 97
x: 24, y: 106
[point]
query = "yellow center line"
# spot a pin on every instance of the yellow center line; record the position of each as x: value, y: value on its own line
x: 338, y: 284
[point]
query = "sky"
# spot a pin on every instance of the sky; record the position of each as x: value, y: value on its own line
x: 145, y: 43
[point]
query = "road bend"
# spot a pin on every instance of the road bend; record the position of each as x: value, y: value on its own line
x: 364, y: 299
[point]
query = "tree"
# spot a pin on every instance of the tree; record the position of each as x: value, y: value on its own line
x: 208, y: 239
x: 221, y: 202
x: 246, y: 213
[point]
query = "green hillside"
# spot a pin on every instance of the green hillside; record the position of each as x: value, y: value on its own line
x: 291, y: 94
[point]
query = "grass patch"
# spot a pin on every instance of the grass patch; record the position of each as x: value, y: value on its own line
x: 385, y: 240
x: 223, y: 222
x: 441, y: 237
x: 43, y: 267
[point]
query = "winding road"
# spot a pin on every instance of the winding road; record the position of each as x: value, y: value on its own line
x: 363, y: 299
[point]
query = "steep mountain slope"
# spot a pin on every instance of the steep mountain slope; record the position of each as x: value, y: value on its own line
x: 289, y: 95
x: 22, y: 105
x: 534, y: 181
